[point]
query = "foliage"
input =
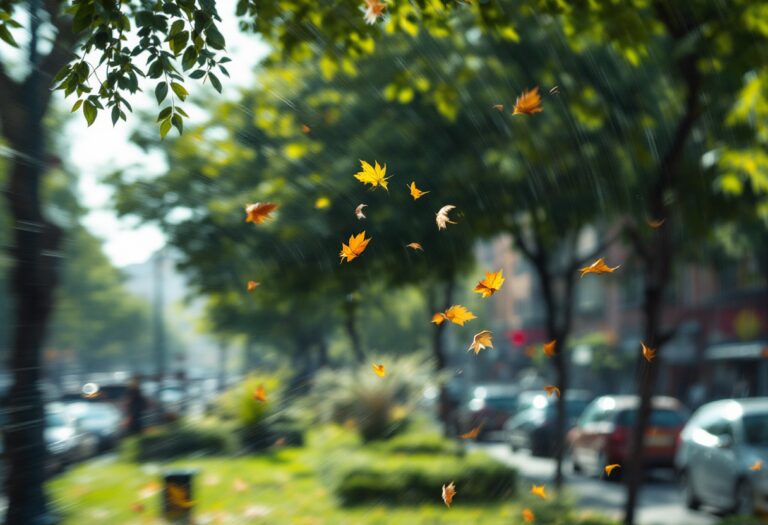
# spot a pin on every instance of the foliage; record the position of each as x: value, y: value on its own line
x: 419, y: 443
x: 178, y: 440
x: 377, y: 407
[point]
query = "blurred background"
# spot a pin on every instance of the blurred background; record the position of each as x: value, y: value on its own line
x: 133, y: 348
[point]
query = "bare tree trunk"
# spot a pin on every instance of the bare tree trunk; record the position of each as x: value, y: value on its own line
x: 350, y: 325
x: 446, y: 408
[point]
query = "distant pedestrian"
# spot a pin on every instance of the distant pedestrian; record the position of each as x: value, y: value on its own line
x: 135, y: 406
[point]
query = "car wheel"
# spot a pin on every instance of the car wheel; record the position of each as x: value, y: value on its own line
x: 745, y: 499
x: 692, y: 501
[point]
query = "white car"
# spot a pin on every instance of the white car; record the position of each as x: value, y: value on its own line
x: 723, y: 456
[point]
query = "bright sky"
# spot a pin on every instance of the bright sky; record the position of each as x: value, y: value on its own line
x: 102, y: 148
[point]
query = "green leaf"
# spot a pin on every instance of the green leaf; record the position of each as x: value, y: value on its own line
x: 176, y: 27
x: 179, y: 90
x: 115, y: 115
x: 178, y: 123
x: 6, y: 35
x: 180, y: 111
x: 214, y: 38
x: 76, y: 106
x: 197, y: 73
x: 161, y: 91
x: 164, y: 113
x: 189, y: 57
x: 89, y: 112
x: 215, y: 82
x: 165, y: 127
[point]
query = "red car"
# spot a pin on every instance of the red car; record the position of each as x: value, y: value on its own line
x: 603, y: 433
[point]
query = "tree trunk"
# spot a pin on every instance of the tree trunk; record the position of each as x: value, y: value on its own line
x: 446, y: 405
x: 350, y: 325
x: 322, y: 353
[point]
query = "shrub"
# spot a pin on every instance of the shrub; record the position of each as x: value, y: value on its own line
x: 416, y: 479
x: 163, y: 443
x: 742, y: 520
x: 421, y: 443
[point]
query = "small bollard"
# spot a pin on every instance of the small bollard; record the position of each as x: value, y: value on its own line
x: 177, y: 498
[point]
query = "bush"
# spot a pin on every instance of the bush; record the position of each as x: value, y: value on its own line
x: 742, y: 520
x: 416, y: 479
x: 421, y: 443
x: 163, y: 443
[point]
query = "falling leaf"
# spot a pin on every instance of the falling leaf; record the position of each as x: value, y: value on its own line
x: 549, y: 348
x: 373, y: 175
x: 178, y: 496
x: 414, y: 246
x: 552, y: 389
x: 439, y: 318
x: 528, y: 103
x: 416, y: 193
x: 472, y: 434
x: 279, y: 442
x: 359, y: 211
x: 528, y: 516
x: 357, y: 245
x: 648, y: 353
x: 598, y: 266
x: 539, y: 490
x: 610, y: 468
x: 442, y: 217
x: 374, y: 9
x: 456, y: 314
x: 305, y: 129
x: 655, y: 223
x: 259, y: 212
x: 555, y: 90
x: 252, y: 285
x: 137, y: 507
x: 379, y: 370
x: 757, y: 465
x: 481, y: 341
x: 491, y: 284
x: 239, y: 485
x: 260, y: 394
x: 449, y: 491
x: 498, y: 107
x: 322, y: 202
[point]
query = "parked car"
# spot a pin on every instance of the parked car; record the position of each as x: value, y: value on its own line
x: 101, y: 419
x: 65, y: 439
x: 534, y: 427
x: 489, y: 408
x: 721, y: 455
x: 603, y: 433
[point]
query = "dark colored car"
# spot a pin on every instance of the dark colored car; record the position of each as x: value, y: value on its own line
x: 489, y: 408
x: 534, y: 428
x: 603, y: 433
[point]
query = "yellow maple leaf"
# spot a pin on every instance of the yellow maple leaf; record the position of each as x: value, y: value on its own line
x: 379, y: 370
x: 458, y: 314
x: 757, y: 465
x: 322, y: 202
x: 528, y: 103
x: 260, y: 394
x: 598, y: 266
x: 552, y: 389
x: 610, y: 468
x: 472, y: 434
x: 416, y: 193
x: 648, y: 352
x: 449, y: 491
x: 528, y: 516
x: 373, y: 175
x: 439, y: 318
x: 178, y: 496
x: 357, y: 245
x: 539, y: 490
x: 252, y: 285
x: 549, y: 348
x: 481, y: 341
x: 258, y: 212
x: 491, y: 284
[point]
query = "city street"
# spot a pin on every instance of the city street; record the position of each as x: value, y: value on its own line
x: 660, y: 500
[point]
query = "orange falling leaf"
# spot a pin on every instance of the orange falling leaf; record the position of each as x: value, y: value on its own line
x: 137, y: 507
x: 648, y: 352
x: 457, y: 314
x: 260, y: 394
x: 498, y: 107
x: 491, y: 284
x: 481, y: 341
x: 416, y: 193
x: 178, y: 496
x: 449, y: 491
x: 598, y: 266
x: 359, y: 211
x: 259, y: 212
x: 757, y: 465
x: 322, y: 203
x: 305, y: 129
x: 442, y: 217
x: 539, y: 490
x: 239, y: 485
x: 373, y: 175
x: 414, y: 246
x: 610, y: 468
x: 374, y: 9
x: 528, y: 516
x: 552, y: 389
x: 528, y: 103
x: 439, y: 318
x: 472, y: 434
x: 655, y: 223
x: 549, y: 348
x: 252, y: 285
x: 357, y: 245
x: 379, y: 370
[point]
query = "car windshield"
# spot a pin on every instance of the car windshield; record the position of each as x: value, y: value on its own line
x: 756, y: 429
x: 500, y: 403
x: 663, y: 418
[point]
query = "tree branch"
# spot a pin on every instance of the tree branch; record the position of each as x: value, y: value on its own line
x: 578, y: 262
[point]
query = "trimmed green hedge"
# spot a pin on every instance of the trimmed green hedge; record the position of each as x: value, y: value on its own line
x: 420, y: 443
x: 175, y: 441
x: 743, y: 520
x: 415, y: 479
